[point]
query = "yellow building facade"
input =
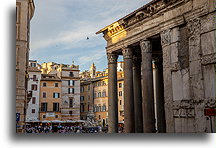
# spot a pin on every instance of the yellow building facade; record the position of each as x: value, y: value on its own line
x: 70, y: 88
x: 94, y: 95
x: 50, y: 97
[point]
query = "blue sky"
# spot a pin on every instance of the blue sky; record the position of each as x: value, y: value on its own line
x: 59, y: 30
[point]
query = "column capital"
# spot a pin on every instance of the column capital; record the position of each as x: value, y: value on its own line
x: 165, y: 37
x: 194, y: 26
x: 127, y: 53
x: 112, y: 58
x: 145, y: 46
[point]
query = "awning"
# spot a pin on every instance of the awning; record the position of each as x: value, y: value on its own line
x: 57, y: 121
x: 70, y: 121
x: 81, y: 121
x: 46, y: 121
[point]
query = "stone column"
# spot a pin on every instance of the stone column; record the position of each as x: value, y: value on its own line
x: 112, y: 93
x: 147, y: 87
x: 137, y: 93
x: 159, y: 95
x: 128, y: 91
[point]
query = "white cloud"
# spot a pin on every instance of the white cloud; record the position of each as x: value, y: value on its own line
x: 67, y: 23
x: 93, y: 56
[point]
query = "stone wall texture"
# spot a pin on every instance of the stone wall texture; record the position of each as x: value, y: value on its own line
x: 187, y: 32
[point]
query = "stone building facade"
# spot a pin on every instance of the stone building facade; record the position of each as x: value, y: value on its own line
x: 34, y: 77
x: 178, y: 36
x: 24, y: 13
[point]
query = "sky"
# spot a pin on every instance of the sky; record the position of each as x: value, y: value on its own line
x: 59, y: 30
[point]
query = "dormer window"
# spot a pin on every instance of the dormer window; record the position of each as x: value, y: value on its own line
x: 33, y: 64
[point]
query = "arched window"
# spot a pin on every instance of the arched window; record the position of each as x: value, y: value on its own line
x: 104, y: 93
x: 99, y: 94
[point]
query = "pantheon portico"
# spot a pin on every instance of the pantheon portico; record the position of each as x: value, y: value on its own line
x: 177, y: 38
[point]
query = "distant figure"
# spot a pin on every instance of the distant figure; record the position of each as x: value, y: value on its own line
x: 87, y: 38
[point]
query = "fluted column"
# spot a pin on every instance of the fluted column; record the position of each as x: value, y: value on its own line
x: 137, y: 93
x: 147, y: 87
x: 112, y: 93
x: 128, y: 91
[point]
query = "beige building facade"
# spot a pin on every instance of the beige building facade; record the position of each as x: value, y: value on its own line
x: 24, y: 13
x: 70, y: 88
x: 50, y: 97
x: 94, y: 95
x: 178, y: 36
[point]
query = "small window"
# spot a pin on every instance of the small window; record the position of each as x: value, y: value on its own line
x: 55, y: 107
x: 99, y: 117
x: 71, y: 74
x: 34, y: 87
x: 56, y: 116
x: 33, y: 111
x: 34, y: 77
x: 43, y: 107
x: 81, y: 98
x: 56, y: 84
x: 120, y: 93
x: 70, y: 90
x: 33, y: 64
x: 104, y: 94
x: 71, y: 82
x: 120, y: 85
x: 99, y: 94
x: 70, y: 112
x: 33, y: 100
x: 70, y: 102
x: 44, y: 94
x: 104, y: 108
x: 44, y: 116
x: 82, y: 89
x: 99, y: 108
x: 56, y: 95
x: 82, y: 107
x: 88, y: 87
x: 44, y: 84
x: 120, y: 102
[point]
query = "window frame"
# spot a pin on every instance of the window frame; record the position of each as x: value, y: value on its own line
x: 56, y: 84
x: 44, y: 95
x: 44, y: 107
x: 44, y: 84
x: 57, y: 107
x: 33, y: 100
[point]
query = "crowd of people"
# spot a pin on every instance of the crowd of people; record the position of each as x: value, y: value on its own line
x: 64, y: 129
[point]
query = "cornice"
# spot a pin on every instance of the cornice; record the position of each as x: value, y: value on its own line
x: 156, y: 28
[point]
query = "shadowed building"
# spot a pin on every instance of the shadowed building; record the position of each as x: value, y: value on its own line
x: 177, y: 38
x: 24, y: 13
